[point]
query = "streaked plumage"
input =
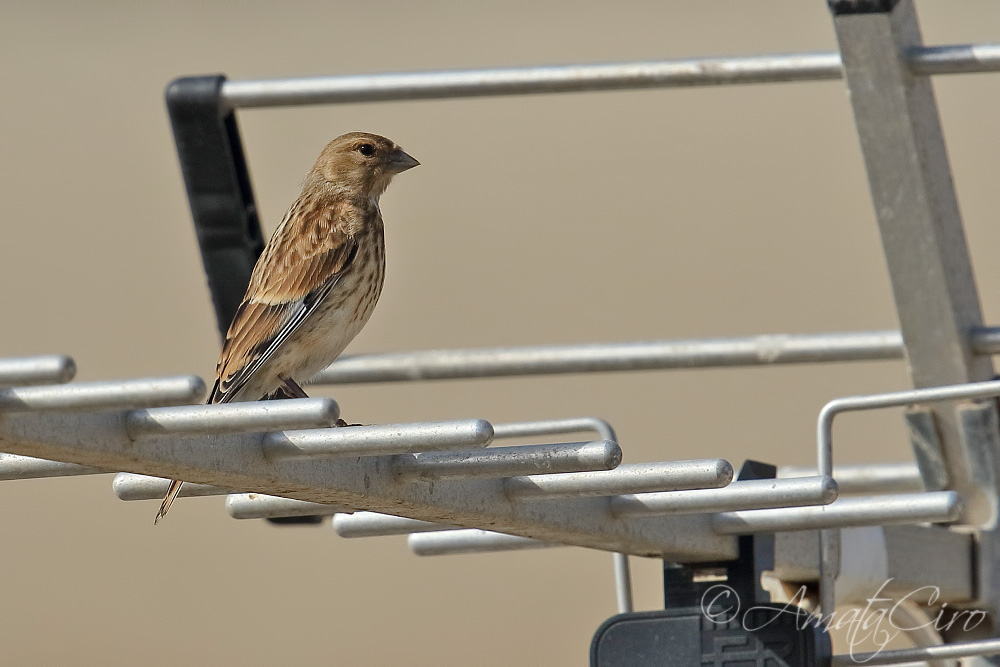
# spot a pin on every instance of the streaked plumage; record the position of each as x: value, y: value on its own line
x: 317, y: 281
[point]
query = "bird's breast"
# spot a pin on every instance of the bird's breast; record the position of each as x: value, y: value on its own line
x: 341, y: 315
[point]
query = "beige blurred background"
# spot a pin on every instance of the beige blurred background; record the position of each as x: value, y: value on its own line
x: 573, y: 218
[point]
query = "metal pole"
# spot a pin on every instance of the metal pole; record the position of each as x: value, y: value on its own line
x: 932, y: 507
x: 922, y: 234
x: 470, y: 541
x: 576, y: 78
x: 762, y: 350
x: 49, y: 369
x: 103, y: 395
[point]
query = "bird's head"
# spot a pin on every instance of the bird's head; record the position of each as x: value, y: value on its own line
x: 361, y: 164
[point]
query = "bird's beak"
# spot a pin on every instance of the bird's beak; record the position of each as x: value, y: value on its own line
x: 401, y: 161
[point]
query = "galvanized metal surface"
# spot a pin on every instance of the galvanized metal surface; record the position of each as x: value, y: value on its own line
x: 390, y: 439
x: 575, y: 78
x: 26, y: 467
x: 980, y: 472
x: 760, y: 350
x: 103, y: 395
x: 922, y: 233
x: 628, y: 478
x: 606, y: 357
x: 260, y: 506
x: 130, y: 486
x: 373, y: 524
x: 232, y: 417
x: 237, y: 461
x: 470, y: 541
x: 749, y: 494
x: 623, y: 583
x: 380, y: 439
x: 866, y: 479
x: 47, y: 369
x: 508, y: 461
x: 931, y: 507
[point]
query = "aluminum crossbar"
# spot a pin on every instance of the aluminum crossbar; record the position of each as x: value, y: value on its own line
x: 866, y: 479
x: 260, y: 506
x: 48, y: 369
x: 13, y: 466
x: 750, y: 494
x: 381, y: 439
x: 103, y: 395
x: 129, y: 486
x: 576, y: 78
x: 508, y: 461
x: 469, y: 541
x: 372, y: 524
x: 628, y: 478
x: 930, y: 507
x: 760, y: 350
x: 232, y: 417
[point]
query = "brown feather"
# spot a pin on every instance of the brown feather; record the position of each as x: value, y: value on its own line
x: 309, y: 248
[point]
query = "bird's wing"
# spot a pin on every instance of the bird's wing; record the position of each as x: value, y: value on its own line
x: 301, y: 265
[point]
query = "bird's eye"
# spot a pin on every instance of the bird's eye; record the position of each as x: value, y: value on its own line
x: 366, y: 149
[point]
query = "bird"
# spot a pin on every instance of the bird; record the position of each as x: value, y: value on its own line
x: 317, y: 281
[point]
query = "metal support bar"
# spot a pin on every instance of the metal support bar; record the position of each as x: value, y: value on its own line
x: 576, y: 78
x: 373, y: 524
x: 237, y: 461
x: 927, y: 255
x: 623, y: 583
x: 866, y: 479
x: 760, y: 350
x: 740, y: 495
x: 470, y: 541
x: 381, y: 439
x: 103, y: 395
x: 48, y: 369
x: 596, y: 425
x: 508, y: 461
x: 227, y: 418
x: 13, y: 466
x: 628, y: 478
x: 934, y: 507
x: 260, y: 506
x: 130, y: 486
x: 606, y: 357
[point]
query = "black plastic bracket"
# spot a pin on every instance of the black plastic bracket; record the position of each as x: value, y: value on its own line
x: 839, y: 7
x: 218, y: 188
x: 685, y: 585
x: 717, y: 614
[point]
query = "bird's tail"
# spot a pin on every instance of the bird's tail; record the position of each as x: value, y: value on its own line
x: 175, y: 485
x: 168, y: 500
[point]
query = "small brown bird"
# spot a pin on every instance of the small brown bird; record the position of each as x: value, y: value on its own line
x: 317, y: 281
